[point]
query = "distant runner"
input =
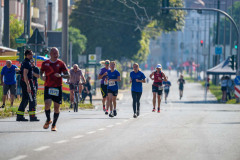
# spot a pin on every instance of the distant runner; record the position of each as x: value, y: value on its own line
x: 137, y: 78
x: 157, y: 88
x: 104, y: 83
x: 181, y: 82
x: 113, y: 79
x: 167, y: 86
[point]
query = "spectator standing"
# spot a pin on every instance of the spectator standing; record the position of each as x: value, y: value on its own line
x: 87, y: 90
x: 8, y: 81
x: 224, y: 88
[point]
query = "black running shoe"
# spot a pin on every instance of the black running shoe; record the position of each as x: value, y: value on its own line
x: 134, y: 115
x: 111, y: 115
x: 23, y: 119
x: 115, y: 112
x: 3, y: 106
x: 34, y: 119
x: 106, y: 112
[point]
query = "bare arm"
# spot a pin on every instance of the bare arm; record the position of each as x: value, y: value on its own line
x: 66, y: 74
x: 164, y: 77
x: 83, y: 79
x: 101, y: 76
x: 36, y: 75
x: 151, y: 76
x: 141, y: 81
x: 1, y: 79
x: 41, y: 76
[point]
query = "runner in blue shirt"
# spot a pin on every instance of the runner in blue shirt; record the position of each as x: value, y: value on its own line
x: 113, y: 79
x: 167, y: 86
x: 137, y: 78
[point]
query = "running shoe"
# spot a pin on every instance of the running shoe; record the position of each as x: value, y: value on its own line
x: 134, y: 115
x: 111, y: 115
x: 46, y: 125
x: 3, y: 106
x: 115, y: 112
x: 158, y: 110
x: 34, y: 119
x: 21, y: 118
x: 104, y: 108
x: 54, y: 128
x: 153, y: 110
x: 106, y: 112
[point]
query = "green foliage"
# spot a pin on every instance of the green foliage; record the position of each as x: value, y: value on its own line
x: 16, y: 29
x: 79, y: 42
x: 115, y: 27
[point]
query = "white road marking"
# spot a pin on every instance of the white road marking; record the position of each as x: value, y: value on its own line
x: 101, y: 129
x: 62, y: 141
x: 19, y: 157
x: 130, y: 118
x: 79, y: 136
x: 109, y: 126
x: 41, y: 148
x: 91, y: 132
x: 125, y: 120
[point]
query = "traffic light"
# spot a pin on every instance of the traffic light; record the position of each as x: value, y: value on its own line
x: 201, y: 42
x: 20, y: 53
x: 165, y: 3
x: 236, y: 46
x: 232, y: 62
x: 45, y: 52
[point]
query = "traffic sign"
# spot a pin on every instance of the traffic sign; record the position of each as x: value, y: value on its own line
x: 218, y: 50
x: 20, y: 40
x: 92, y: 58
x: 237, y: 80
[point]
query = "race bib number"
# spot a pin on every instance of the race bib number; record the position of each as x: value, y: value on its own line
x: 166, y: 87
x: 160, y: 88
x: 112, y: 83
x: 53, y: 92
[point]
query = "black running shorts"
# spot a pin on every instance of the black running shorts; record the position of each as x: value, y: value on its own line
x: 115, y: 93
x: 55, y: 98
x: 104, y: 90
x: 155, y: 89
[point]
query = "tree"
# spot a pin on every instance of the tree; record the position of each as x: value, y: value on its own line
x: 79, y: 42
x: 16, y: 29
x: 122, y: 29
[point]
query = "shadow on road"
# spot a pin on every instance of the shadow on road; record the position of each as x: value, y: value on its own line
x: 198, y: 102
x: 22, y: 131
x: 100, y: 118
x: 226, y: 123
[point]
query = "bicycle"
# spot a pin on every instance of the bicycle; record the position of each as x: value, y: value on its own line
x: 76, y: 96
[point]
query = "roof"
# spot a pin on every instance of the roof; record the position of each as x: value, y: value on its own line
x: 221, y: 69
x: 7, y: 49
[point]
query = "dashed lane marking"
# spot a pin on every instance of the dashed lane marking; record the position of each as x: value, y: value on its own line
x: 109, y: 126
x: 79, y: 136
x: 91, y: 132
x: 62, y: 141
x: 19, y: 157
x: 101, y: 129
x: 41, y: 148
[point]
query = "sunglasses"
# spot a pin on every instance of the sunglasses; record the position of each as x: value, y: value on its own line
x: 106, y: 63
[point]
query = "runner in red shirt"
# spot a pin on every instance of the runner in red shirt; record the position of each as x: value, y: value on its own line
x: 51, y: 71
x: 157, y: 88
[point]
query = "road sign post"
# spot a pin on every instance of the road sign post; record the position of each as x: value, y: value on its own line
x: 20, y: 40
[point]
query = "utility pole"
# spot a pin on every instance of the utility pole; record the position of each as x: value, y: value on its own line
x: 6, y: 36
x: 230, y: 41
x: 224, y: 34
x: 65, y: 31
x: 28, y: 18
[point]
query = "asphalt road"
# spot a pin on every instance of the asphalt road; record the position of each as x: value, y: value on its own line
x: 187, y: 129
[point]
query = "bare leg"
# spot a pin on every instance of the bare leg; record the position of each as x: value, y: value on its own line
x: 4, y: 98
x: 154, y: 99
x: 12, y: 99
x: 159, y: 100
x: 110, y: 101
x: 114, y: 98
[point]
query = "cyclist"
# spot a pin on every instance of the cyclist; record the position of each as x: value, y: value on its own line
x: 181, y: 82
x: 137, y: 78
x: 167, y: 86
x: 53, y: 69
x: 158, y: 77
x: 75, y: 77
x: 113, y: 79
x: 104, y: 83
